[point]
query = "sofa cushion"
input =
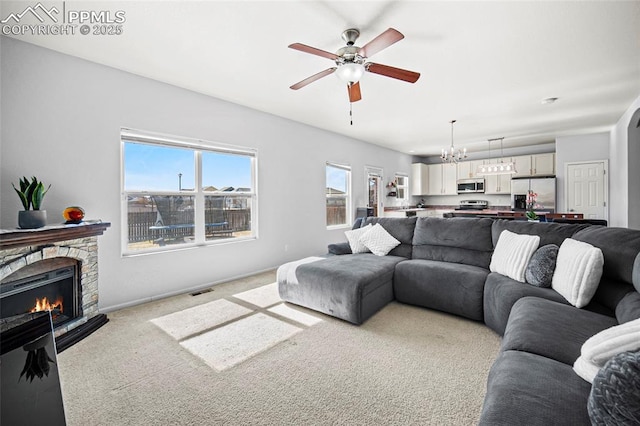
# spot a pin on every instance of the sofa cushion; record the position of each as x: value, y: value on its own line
x: 620, y: 247
x: 615, y: 394
x: 578, y: 271
x: 528, y: 389
x: 448, y: 287
x: 551, y: 329
x: 549, y: 233
x: 379, y: 241
x: 636, y: 273
x: 400, y: 228
x: 512, y: 254
x: 629, y: 307
x: 540, y: 269
x: 457, y: 240
x: 500, y: 293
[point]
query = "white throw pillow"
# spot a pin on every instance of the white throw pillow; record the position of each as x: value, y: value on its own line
x: 379, y: 241
x: 603, y: 346
x: 578, y: 271
x: 353, y: 237
x: 512, y: 254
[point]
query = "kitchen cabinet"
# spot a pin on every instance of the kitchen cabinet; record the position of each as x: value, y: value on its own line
x: 535, y: 165
x: 467, y: 169
x: 419, y: 179
x: 543, y: 164
x: 442, y: 179
x: 497, y: 184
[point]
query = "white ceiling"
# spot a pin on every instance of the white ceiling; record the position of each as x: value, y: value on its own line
x: 486, y: 64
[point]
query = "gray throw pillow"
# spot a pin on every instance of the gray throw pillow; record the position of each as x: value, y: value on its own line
x: 615, y: 394
x: 540, y: 269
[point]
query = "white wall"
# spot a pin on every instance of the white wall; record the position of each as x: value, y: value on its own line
x: 61, y: 120
x: 623, y: 170
x: 572, y: 149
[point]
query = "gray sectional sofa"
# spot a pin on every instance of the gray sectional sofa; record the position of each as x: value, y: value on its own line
x: 443, y: 264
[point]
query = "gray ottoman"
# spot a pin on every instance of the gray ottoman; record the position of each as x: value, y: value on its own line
x: 351, y: 287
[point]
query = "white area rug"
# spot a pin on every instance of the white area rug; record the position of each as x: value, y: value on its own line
x: 188, y: 322
x: 293, y: 314
x: 264, y: 296
x: 230, y: 345
x: 213, y: 331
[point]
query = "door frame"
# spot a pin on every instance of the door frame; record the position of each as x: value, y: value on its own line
x: 605, y: 164
x: 378, y: 172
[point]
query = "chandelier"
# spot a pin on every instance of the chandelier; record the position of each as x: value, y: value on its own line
x: 453, y: 155
x: 499, y: 167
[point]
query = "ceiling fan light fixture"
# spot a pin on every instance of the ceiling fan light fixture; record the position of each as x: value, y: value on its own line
x: 350, y: 72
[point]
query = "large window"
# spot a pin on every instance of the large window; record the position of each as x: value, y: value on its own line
x: 180, y: 192
x: 338, y: 192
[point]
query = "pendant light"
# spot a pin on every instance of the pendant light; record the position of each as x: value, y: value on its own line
x: 453, y: 155
x: 499, y: 167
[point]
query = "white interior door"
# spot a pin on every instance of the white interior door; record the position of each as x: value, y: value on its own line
x: 374, y: 189
x: 586, y: 190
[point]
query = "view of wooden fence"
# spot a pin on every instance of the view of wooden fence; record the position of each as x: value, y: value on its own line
x: 141, y: 222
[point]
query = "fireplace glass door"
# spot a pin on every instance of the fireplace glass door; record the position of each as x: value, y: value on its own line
x: 53, y: 291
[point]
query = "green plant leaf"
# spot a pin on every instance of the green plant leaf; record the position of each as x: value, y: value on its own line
x: 37, y: 195
x: 23, y: 198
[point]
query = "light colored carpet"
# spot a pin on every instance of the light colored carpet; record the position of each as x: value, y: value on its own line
x: 404, y: 366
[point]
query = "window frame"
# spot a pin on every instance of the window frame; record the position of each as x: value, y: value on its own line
x: 198, y: 146
x: 346, y: 196
x: 405, y: 188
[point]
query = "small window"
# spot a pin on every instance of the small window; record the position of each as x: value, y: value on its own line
x: 402, y: 186
x: 180, y: 192
x: 338, y: 194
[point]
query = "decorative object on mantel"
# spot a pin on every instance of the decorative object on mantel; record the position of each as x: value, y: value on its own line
x: 73, y: 215
x: 497, y: 168
x: 31, y: 195
x: 453, y: 155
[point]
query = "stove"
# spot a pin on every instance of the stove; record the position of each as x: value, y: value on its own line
x: 473, y: 205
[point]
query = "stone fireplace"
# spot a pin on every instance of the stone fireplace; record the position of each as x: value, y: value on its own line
x: 54, y: 268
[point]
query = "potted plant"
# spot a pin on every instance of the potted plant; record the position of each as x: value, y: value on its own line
x: 31, y: 194
x: 531, y: 204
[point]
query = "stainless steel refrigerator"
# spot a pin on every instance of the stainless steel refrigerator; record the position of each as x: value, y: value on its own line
x: 544, y: 187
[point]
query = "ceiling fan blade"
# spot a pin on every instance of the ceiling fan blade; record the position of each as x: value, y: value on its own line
x: 308, y: 49
x: 354, y: 92
x: 383, y: 41
x: 313, y: 78
x: 397, y: 73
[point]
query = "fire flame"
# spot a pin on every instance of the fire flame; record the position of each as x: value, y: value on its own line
x: 45, y: 305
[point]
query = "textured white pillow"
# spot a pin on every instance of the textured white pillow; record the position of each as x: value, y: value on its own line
x: 512, y: 254
x: 353, y: 237
x: 378, y: 240
x: 603, y: 346
x: 578, y: 271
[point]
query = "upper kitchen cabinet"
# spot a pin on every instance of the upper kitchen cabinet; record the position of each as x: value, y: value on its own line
x: 497, y: 184
x: 419, y: 179
x: 535, y: 165
x: 467, y: 169
x: 442, y: 179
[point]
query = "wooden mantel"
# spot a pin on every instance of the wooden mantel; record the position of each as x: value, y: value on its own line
x: 50, y: 234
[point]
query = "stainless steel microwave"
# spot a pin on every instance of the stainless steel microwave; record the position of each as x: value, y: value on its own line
x: 466, y: 186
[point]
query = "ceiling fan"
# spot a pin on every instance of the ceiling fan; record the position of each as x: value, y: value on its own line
x: 351, y: 61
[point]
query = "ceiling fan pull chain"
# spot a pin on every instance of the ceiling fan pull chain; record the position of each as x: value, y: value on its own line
x: 351, y: 112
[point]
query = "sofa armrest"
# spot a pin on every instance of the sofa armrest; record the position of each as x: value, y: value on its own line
x: 339, y: 248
